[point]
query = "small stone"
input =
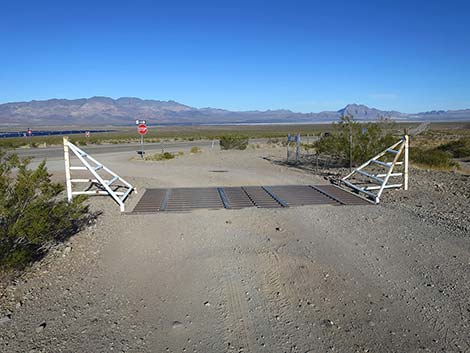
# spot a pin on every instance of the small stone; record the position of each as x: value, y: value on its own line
x: 5, y: 319
x: 67, y: 250
x: 177, y: 324
x: 41, y: 327
x: 18, y: 305
x: 278, y: 229
x: 207, y: 304
x: 327, y: 323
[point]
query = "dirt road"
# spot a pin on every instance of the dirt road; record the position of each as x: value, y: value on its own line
x: 304, y: 279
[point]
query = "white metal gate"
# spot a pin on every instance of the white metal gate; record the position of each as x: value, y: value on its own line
x: 98, y: 184
x: 376, y: 183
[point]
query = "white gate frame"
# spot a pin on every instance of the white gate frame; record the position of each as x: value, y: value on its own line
x: 93, y: 166
x: 399, y: 149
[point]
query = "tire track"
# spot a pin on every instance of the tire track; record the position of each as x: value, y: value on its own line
x: 237, y: 320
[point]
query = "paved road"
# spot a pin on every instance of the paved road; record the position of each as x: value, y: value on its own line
x: 57, y: 151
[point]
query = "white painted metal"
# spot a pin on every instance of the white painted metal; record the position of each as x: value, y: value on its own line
x: 400, y: 150
x: 93, y: 166
x: 390, y: 186
x: 405, y: 170
x: 68, y: 182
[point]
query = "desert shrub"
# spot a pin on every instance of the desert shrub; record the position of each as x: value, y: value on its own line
x: 368, y: 140
x: 273, y: 141
x: 308, y: 146
x: 434, y: 158
x: 458, y: 149
x: 195, y: 149
x: 33, y: 216
x: 233, y: 142
x: 160, y: 156
x: 7, y: 143
x: 79, y: 141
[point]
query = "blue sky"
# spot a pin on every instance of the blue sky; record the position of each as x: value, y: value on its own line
x: 241, y: 55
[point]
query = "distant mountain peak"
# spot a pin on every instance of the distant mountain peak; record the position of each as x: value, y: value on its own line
x: 101, y: 110
x: 362, y: 111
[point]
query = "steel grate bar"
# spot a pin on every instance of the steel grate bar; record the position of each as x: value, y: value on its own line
x: 223, y: 197
x: 300, y: 195
x: 279, y: 196
x: 274, y: 196
x: 260, y: 197
x: 345, y: 197
x: 184, y: 199
x: 151, y: 201
x: 238, y: 198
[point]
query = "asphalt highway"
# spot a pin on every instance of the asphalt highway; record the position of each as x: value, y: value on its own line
x: 58, y: 152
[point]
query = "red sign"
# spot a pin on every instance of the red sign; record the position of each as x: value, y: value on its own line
x: 142, y: 129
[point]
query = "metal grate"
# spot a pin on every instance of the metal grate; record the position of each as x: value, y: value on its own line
x: 151, y: 201
x: 185, y: 199
x: 280, y: 196
x: 237, y: 198
x: 344, y: 197
x: 260, y: 197
x: 299, y: 195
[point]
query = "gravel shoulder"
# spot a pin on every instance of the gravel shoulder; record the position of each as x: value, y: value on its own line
x: 380, y: 278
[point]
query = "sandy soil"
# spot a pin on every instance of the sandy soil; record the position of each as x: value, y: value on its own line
x: 306, y: 279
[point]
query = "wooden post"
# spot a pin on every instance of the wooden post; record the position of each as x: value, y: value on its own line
x: 68, y: 181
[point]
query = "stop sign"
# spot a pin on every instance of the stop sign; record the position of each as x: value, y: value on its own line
x: 142, y: 129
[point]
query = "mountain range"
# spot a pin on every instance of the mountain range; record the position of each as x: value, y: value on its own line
x: 124, y: 111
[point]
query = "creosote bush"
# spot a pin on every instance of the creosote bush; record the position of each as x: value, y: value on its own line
x: 367, y: 140
x: 434, y: 158
x: 458, y: 149
x: 33, y: 214
x: 195, y: 149
x: 160, y: 156
x: 232, y: 142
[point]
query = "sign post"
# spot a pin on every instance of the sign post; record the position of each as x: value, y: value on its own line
x: 142, y: 130
x: 30, y: 134
x: 297, y: 147
x: 289, y: 138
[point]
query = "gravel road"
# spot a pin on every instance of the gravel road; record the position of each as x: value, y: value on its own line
x: 306, y: 279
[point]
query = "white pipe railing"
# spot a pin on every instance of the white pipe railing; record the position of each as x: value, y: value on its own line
x: 399, y: 149
x: 93, y: 166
